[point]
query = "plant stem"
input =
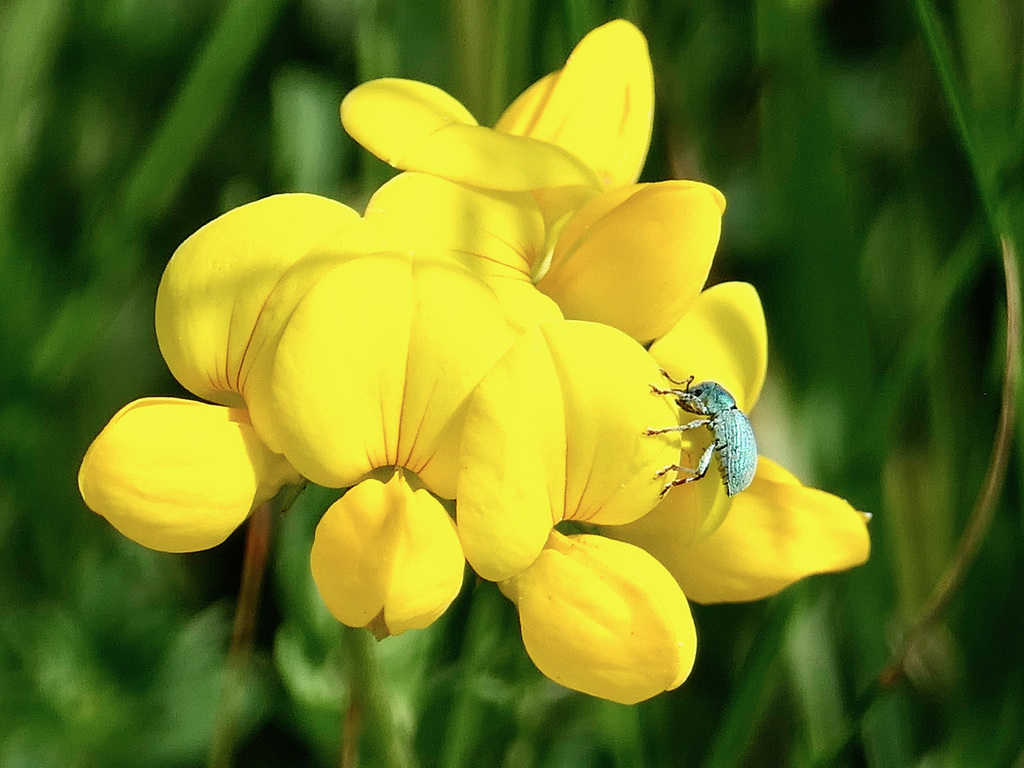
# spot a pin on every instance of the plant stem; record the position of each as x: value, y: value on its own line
x: 942, y: 58
x: 754, y: 688
x: 254, y: 566
x: 369, y: 703
x: 984, y: 508
x: 464, y: 713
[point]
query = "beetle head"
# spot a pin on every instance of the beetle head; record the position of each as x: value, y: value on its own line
x: 713, y: 396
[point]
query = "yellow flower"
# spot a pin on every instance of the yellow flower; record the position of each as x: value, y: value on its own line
x: 371, y: 375
x: 636, y: 257
x: 374, y: 366
x: 749, y: 546
x: 629, y: 255
x: 177, y: 475
x: 604, y: 618
x: 549, y: 197
x: 477, y: 335
x: 335, y: 361
x: 554, y: 434
x: 588, y: 124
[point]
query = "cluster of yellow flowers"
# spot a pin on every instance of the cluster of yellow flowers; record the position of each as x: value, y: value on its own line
x: 487, y: 331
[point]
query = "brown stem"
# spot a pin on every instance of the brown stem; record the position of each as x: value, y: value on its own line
x: 984, y: 508
x: 254, y: 566
x: 351, y: 729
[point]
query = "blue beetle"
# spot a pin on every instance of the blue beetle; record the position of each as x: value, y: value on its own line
x: 730, y: 428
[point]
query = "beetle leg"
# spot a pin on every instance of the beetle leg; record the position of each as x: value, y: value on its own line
x: 678, y: 428
x: 702, y: 467
x: 694, y: 474
x: 670, y: 468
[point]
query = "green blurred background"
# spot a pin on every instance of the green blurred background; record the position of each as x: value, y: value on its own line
x: 871, y: 153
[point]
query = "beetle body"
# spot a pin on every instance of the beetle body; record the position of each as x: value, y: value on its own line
x: 732, y: 436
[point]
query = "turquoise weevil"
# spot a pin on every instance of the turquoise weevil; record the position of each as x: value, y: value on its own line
x: 732, y: 435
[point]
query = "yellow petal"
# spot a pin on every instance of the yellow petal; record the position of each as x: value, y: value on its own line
x: 417, y: 127
x: 777, y: 532
x: 384, y: 548
x: 417, y: 211
x: 723, y: 338
x: 636, y: 258
x: 177, y: 475
x: 256, y: 379
x: 695, y: 509
x: 600, y: 106
x: 217, y: 281
x: 496, y: 235
x: 375, y: 366
x: 390, y: 116
x: 556, y: 431
x: 557, y: 205
x: 483, y: 157
x: 605, y: 618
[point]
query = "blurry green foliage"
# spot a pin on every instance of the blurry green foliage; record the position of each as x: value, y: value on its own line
x: 863, y: 204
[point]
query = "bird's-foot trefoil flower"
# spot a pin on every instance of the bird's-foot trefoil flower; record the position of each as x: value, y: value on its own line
x: 589, y: 124
x: 490, y: 330
x: 335, y: 361
x: 777, y: 531
x: 373, y: 371
x: 613, y: 251
x: 566, y: 156
x: 178, y: 475
x: 555, y: 434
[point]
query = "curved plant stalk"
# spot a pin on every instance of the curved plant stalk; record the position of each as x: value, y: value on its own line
x: 984, y: 508
x: 977, y: 526
x: 981, y: 515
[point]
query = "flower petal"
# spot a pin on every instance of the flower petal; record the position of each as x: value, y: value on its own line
x: 375, y: 366
x: 698, y: 508
x: 384, y: 548
x: 418, y: 211
x: 483, y: 157
x: 417, y: 127
x: 177, y: 475
x: 390, y: 116
x: 637, y: 257
x: 605, y: 618
x: 558, y: 205
x: 496, y: 235
x: 217, y: 281
x: 255, y: 378
x: 777, y: 532
x: 555, y: 431
x: 723, y: 338
x: 600, y: 106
